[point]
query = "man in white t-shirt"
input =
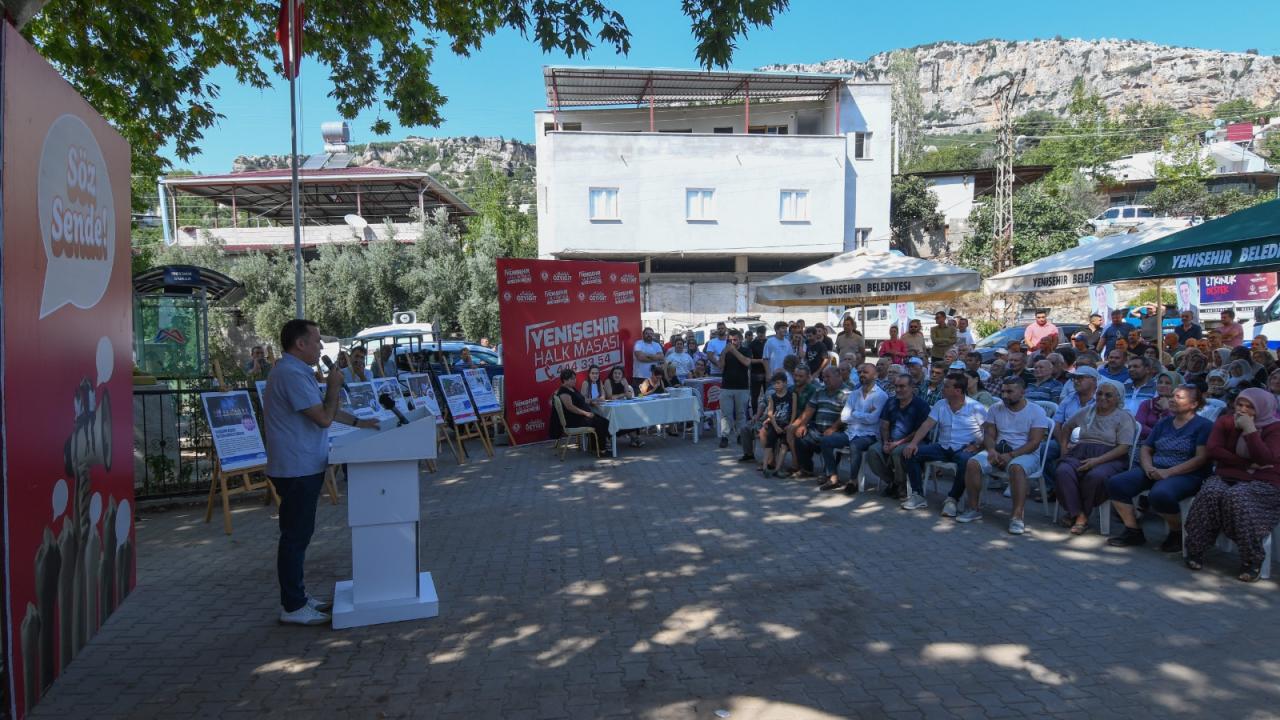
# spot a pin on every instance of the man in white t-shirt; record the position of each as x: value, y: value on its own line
x: 777, y: 348
x: 1012, y: 436
x: 681, y: 359
x: 715, y: 348
x: 959, y: 420
x: 646, y: 352
x: 964, y: 335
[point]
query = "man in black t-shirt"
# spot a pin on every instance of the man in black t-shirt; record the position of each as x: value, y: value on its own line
x: 757, y: 369
x: 734, y: 389
x: 815, y: 353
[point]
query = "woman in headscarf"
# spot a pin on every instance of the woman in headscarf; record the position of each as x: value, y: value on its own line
x: 1153, y: 410
x: 1106, y: 437
x: 1273, y: 384
x: 1242, y: 499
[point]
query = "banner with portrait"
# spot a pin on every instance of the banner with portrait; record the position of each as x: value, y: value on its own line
x: 1102, y: 300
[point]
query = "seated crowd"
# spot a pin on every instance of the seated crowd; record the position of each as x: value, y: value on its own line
x: 1113, y: 416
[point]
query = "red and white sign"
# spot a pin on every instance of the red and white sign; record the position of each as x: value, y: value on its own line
x: 708, y: 390
x: 67, y: 388
x: 558, y: 314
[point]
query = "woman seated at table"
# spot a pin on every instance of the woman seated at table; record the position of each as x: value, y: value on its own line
x: 1173, y: 463
x: 700, y: 369
x: 671, y: 377
x: 617, y: 388
x: 593, y: 386
x: 777, y: 412
x: 1153, y: 410
x: 1242, y: 499
x: 577, y: 413
x: 656, y: 382
x: 1102, y: 450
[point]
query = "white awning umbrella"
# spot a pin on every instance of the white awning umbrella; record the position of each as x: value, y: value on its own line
x: 1073, y: 268
x: 867, y: 277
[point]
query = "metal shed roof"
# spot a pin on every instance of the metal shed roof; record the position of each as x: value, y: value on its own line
x: 328, y: 194
x: 598, y: 86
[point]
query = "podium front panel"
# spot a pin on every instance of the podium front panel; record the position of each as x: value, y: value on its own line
x: 384, y: 562
x: 382, y: 492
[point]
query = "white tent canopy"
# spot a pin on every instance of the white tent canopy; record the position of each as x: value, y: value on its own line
x: 1073, y: 268
x: 865, y: 277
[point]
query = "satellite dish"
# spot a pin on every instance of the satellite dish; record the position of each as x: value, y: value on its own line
x: 356, y: 221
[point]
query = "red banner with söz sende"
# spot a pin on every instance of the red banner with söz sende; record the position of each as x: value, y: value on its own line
x: 560, y: 314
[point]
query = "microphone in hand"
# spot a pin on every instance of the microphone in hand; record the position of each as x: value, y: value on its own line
x: 328, y: 365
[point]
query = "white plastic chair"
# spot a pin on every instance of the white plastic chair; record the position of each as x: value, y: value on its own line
x: 1038, y: 475
x: 1224, y: 543
x: 862, y: 471
x: 1104, y: 510
x: 1050, y: 408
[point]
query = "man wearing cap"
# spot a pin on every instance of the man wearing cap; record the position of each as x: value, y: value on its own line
x: 915, y: 370
x: 1039, y: 330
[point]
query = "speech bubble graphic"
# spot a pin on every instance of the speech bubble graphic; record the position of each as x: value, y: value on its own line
x: 60, y: 496
x: 77, y: 217
x: 106, y: 359
x: 124, y: 518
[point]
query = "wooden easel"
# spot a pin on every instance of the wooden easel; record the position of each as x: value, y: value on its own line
x: 330, y: 483
x: 492, y: 421
x: 221, y: 485
x: 447, y: 435
x: 469, y: 431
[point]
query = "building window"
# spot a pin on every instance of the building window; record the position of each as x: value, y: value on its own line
x: 677, y: 130
x: 604, y: 204
x: 862, y: 146
x: 793, y: 206
x: 767, y: 130
x: 723, y: 130
x: 699, y: 205
x: 860, y: 237
x: 564, y: 127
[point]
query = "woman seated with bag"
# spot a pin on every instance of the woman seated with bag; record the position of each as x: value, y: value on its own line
x: 1242, y: 499
x: 777, y: 412
x: 577, y: 413
x: 1106, y: 438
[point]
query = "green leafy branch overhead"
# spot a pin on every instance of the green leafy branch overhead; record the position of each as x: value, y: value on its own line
x: 145, y: 64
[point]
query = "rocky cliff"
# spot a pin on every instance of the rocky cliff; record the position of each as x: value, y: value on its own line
x: 452, y: 160
x: 957, y: 80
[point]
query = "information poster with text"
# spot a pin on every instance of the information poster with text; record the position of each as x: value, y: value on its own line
x: 236, y: 437
x: 456, y: 397
x: 560, y: 314
x: 481, y: 391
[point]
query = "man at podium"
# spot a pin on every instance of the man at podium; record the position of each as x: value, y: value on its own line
x: 296, y: 419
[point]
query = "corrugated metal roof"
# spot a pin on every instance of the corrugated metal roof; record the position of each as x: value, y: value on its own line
x: 596, y: 86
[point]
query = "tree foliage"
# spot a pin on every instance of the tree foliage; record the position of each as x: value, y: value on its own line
x: 912, y: 207
x: 950, y: 157
x: 1043, y: 224
x: 145, y: 64
x: 908, y: 107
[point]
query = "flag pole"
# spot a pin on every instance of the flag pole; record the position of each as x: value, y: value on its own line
x: 293, y: 159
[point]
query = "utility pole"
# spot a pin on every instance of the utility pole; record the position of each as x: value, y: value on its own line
x: 1002, y: 218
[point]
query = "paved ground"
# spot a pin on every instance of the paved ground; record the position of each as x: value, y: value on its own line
x: 675, y: 583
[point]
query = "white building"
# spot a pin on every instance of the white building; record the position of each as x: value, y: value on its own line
x: 1235, y: 167
x: 712, y: 181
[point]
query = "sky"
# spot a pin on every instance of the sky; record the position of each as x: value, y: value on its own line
x: 495, y: 91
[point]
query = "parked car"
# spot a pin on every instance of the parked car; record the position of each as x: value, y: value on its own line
x: 1122, y: 215
x: 988, y: 345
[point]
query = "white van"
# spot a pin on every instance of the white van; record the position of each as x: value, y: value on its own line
x: 1266, y: 321
x: 1122, y: 215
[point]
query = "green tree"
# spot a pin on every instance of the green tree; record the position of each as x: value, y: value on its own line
x: 912, y: 206
x: 496, y: 200
x: 478, y: 314
x: 1087, y: 138
x: 951, y: 157
x: 1236, y: 110
x: 437, y: 276
x: 1043, y: 224
x: 908, y: 108
x: 145, y: 64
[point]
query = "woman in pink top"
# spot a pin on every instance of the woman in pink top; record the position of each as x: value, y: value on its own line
x: 895, y: 348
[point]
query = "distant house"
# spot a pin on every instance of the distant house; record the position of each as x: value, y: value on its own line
x: 958, y: 191
x: 1235, y: 167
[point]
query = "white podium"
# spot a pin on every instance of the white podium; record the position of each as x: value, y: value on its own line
x: 383, y: 513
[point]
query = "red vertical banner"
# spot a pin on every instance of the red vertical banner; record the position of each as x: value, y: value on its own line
x: 67, y: 386
x: 560, y: 314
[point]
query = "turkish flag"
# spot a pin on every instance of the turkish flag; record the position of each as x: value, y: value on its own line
x: 282, y: 36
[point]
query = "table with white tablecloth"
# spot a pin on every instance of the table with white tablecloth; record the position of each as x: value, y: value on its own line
x: 647, y: 412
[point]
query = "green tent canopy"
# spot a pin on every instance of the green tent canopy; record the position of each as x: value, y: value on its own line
x: 1247, y: 241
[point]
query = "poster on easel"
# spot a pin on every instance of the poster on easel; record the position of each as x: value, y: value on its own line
x: 336, y: 429
x: 364, y: 400
x: 236, y: 437
x: 455, y: 395
x: 481, y: 388
x: 420, y: 386
x: 392, y: 387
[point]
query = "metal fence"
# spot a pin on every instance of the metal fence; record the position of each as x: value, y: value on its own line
x: 172, y: 448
